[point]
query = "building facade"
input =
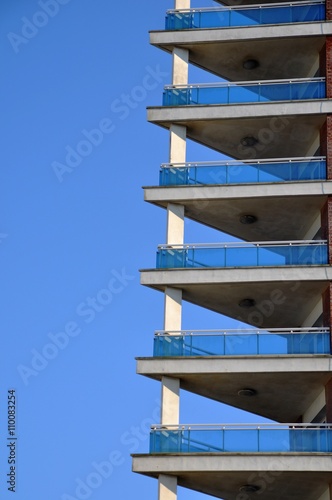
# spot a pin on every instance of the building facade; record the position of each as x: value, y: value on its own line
x: 269, y: 115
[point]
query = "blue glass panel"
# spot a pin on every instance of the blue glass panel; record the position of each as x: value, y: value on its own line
x: 243, y: 174
x: 273, y: 440
x: 245, y: 440
x: 278, y: 255
x: 241, y: 440
x: 245, y: 16
x: 238, y: 257
x: 245, y: 344
x: 238, y: 345
x: 311, y: 440
x: 201, y: 345
x: 236, y: 93
x: 273, y: 344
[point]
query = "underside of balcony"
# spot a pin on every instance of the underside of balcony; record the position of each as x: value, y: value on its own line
x: 281, y: 295
x: 279, y: 209
x: 223, y: 51
x: 223, y: 475
x: 279, y: 129
x: 284, y: 387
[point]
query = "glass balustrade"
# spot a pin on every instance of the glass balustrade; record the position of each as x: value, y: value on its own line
x: 245, y: 92
x: 242, y: 342
x: 297, y: 253
x: 243, y: 172
x: 268, y: 438
x: 225, y: 17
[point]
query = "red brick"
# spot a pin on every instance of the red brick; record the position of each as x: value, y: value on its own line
x: 328, y: 7
x: 325, y: 62
x: 326, y: 144
x: 328, y: 396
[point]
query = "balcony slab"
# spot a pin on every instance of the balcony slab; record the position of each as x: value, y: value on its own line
x: 282, y: 129
x: 279, y: 208
x: 282, y: 295
x: 283, y: 51
x: 285, y: 385
x: 292, y: 476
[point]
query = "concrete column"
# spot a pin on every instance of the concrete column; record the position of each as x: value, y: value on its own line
x: 181, y: 4
x: 172, y: 309
x: 175, y: 224
x: 177, y: 143
x: 180, y: 66
x: 167, y: 487
x: 170, y: 401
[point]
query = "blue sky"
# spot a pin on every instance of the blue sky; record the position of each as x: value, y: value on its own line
x: 76, y: 78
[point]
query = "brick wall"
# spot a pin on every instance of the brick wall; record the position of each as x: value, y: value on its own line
x: 327, y: 59
x: 328, y: 7
x: 326, y: 144
x: 326, y: 217
x: 328, y: 396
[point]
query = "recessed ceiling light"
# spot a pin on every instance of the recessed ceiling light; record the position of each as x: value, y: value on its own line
x: 250, y: 64
x: 247, y: 392
x: 248, y: 141
x: 247, y: 303
x: 249, y: 488
x: 248, y: 219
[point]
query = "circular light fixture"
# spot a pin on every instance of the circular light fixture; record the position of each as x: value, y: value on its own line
x: 249, y: 488
x: 249, y: 141
x: 246, y: 303
x: 247, y: 392
x: 248, y: 219
x: 250, y: 64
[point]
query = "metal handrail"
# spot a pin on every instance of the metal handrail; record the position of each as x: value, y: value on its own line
x: 243, y: 83
x: 271, y: 426
x: 245, y: 331
x: 243, y: 244
x: 243, y: 162
x: 244, y: 7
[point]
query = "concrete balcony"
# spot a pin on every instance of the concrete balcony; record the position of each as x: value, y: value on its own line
x: 239, y: 476
x: 279, y: 387
x: 222, y: 206
x: 250, y: 130
x: 281, y: 51
x: 278, y: 296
